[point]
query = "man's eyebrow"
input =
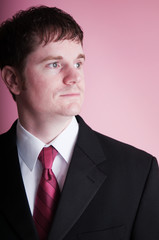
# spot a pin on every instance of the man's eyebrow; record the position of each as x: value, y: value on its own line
x: 81, y: 56
x: 51, y: 58
x: 59, y: 58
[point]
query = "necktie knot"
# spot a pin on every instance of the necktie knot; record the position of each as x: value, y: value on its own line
x: 47, y: 156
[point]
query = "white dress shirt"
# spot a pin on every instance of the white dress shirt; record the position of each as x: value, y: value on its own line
x: 29, y: 148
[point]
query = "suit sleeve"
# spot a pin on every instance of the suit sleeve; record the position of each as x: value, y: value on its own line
x: 146, y: 226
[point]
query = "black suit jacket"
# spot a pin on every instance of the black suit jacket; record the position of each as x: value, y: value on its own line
x: 111, y: 192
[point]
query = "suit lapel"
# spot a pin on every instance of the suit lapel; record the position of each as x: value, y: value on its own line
x: 83, y: 181
x: 15, y: 204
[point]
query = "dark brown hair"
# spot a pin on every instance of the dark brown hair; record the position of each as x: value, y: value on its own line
x: 21, y: 34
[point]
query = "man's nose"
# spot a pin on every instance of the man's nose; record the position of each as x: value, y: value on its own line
x: 72, y: 76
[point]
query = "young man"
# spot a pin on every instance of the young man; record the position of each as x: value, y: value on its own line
x: 99, y: 187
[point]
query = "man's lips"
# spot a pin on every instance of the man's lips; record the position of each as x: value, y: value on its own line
x: 70, y: 95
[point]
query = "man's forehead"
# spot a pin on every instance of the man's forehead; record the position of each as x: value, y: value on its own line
x: 59, y: 50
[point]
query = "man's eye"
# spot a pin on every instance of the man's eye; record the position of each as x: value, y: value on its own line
x: 54, y: 65
x: 77, y: 65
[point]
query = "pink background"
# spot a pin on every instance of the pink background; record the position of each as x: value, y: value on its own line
x: 122, y: 67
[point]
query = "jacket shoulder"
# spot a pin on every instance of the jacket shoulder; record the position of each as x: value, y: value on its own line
x: 123, y: 153
x: 113, y: 149
x: 9, y: 136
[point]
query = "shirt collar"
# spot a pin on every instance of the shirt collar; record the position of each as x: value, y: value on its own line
x: 65, y: 142
x: 30, y: 146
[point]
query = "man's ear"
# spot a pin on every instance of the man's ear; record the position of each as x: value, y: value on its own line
x: 11, y: 79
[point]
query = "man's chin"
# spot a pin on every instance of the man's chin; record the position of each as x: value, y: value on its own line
x: 73, y: 109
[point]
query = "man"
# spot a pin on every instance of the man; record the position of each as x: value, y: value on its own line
x: 106, y: 189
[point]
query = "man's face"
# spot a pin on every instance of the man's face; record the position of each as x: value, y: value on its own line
x: 54, y: 80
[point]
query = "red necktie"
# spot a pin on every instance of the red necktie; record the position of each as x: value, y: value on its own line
x: 47, y: 194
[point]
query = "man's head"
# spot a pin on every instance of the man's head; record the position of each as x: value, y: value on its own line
x: 41, y: 59
x: 26, y: 30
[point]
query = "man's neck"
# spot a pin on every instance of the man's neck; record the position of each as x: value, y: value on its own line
x: 46, y: 131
